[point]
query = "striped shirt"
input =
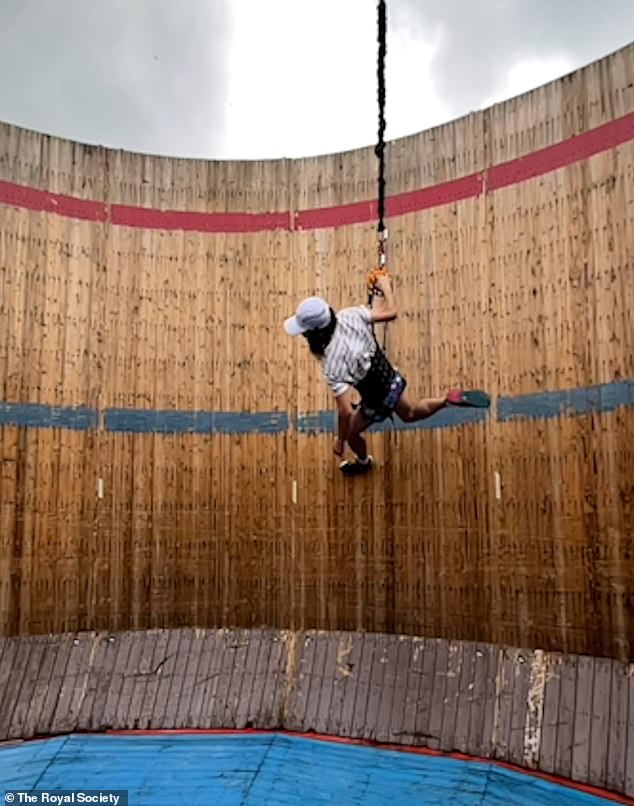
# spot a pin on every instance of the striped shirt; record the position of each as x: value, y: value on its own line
x: 348, y: 354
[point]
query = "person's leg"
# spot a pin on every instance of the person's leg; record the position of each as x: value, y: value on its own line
x: 410, y: 411
x: 363, y: 462
x: 357, y: 443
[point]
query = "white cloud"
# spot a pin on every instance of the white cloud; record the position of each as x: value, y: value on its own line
x: 302, y: 78
x: 413, y: 104
x: 528, y: 75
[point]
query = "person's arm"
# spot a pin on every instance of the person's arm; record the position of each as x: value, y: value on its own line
x: 344, y: 414
x: 385, y: 311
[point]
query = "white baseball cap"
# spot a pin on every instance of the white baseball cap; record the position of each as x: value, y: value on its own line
x: 312, y: 313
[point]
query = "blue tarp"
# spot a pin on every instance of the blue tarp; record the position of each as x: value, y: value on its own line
x: 245, y: 769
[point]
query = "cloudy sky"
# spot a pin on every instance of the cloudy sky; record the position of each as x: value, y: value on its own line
x: 230, y: 79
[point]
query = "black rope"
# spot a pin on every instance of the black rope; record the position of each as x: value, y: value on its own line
x: 380, y: 146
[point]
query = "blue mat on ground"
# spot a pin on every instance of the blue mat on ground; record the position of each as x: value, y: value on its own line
x: 245, y: 769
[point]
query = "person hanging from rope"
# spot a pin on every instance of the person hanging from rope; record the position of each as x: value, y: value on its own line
x: 351, y: 359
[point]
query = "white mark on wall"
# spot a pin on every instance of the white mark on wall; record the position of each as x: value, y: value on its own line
x: 535, y: 709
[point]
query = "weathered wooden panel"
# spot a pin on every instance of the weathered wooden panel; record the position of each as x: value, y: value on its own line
x: 568, y: 715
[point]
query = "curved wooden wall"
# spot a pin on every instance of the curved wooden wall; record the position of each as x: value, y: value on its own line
x: 166, y: 449
x: 565, y: 715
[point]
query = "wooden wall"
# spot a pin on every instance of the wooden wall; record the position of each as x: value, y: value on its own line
x: 565, y: 715
x: 165, y: 448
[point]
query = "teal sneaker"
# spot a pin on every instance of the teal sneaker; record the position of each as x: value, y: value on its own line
x: 474, y: 398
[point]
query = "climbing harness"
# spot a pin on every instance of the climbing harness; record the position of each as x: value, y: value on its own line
x: 380, y: 388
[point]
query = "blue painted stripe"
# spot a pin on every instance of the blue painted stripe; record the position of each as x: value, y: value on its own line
x: 250, y: 770
x: 137, y: 421
x: 325, y: 422
x: 37, y: 415
x: 602, y: 398
x: 316, y: 422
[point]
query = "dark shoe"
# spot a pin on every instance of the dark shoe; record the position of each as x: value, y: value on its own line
x: 474, y: 398
x: 356, y: 468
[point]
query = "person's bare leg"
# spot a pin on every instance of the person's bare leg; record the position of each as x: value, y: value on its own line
x: 411, y: 412
x: 357, y: 443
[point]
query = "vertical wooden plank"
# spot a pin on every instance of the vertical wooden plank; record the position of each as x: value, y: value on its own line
x: 188, y: 678
x: 9, y: 680
x: 600, y: 721
x: 629, y: 753
x: 332, y: 668
x: 582, y: 719
x: 505, y: 684
x: 617, y: 728
x: 479, y: 701
x: 134, y: 677
x: 376, y: 684
x: 111, y: 716
x: 548, y: 745
x: 364, y: 678
x: 452, y: 694
x: 438, y: 694
x: 8, y: 480
x: 17, y: 721
x: 153, y: 677
x: 345, y: 688
x: 206, y: 677
x: 130, y: 670
x: 466, y: 696
x: 425, y: 696
x: 96, y: 670
x: 34, y: 719
x: 390, y: 714
x: 177, y: 683
x: 168, y: 675
x: 403, y: 710
x: 251, y: 682
x: 303, y: 674
x: 255, y: 711
x: 316, y: 681
x: 239, y: 647
x: 522, y: 669
x: 105, y: 669
x: 277, y: 680
x: 225, y: 677
x: 71, y: 695
x: 54, y: 685
x: 566, y: 721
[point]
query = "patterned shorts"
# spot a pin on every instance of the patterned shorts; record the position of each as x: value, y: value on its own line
x: 381, y: 389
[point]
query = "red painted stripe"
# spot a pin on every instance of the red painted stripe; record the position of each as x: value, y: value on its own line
x: 575, y: 149
x: 147, y: 218
x: 410, y: 202
x: 582, y: 146
x: 435, y: 196
x: 42, y: 201
x: 423, y: 751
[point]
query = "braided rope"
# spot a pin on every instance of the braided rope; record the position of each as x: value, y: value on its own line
x: 380, y: 146
x: 380, y: 150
